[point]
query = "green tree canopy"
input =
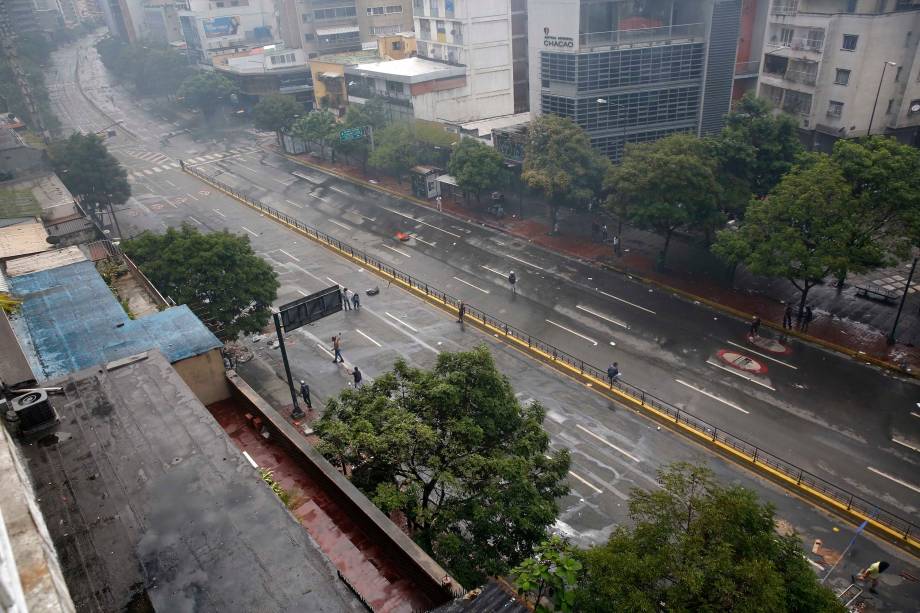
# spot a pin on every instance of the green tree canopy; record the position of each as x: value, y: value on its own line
x: 89, y: 171
x: 476, y: 166
x: 798, y: 232
x: 218, y: 275
x: 276, y: 113
x: 373, y: 114
x: 455, y: 453
x: 699, y: 546
x: 318, y: 127
x: 553, y: 573
x: 153, y: 70
x: 667, y: 185
x: 560, y: 162
x: 206, y: 91
x: 394, y: 149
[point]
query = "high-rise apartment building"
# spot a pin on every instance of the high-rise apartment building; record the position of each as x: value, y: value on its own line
x: 322, y: 27
x: 633, y: 70
x: 383, y: 18
x: 844, y: 68
x: 475, y: 34
x: 215, y: 26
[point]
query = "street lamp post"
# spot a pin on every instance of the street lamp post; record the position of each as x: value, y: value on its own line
x: 879, y: 91
x: 894, y: 327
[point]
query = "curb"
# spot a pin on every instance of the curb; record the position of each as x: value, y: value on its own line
x: 907, y: 542
x: 851, y: 353
x: 93, y: 104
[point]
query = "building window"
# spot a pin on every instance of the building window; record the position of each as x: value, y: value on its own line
x: 834, y: 108
x: 843, y: 77
x: 336, y: 13
x: 394, y: 88
x: 897, y: 75
x: 890, y: 106
x: 394, y: 9
x: 308, y: 37
x: 375, y: 10
x: 307, y: 17
x: 851, y: 6
x: 418, y: 6
x: 849, y: 42
x: 433, y: 7
x: 785, y: 36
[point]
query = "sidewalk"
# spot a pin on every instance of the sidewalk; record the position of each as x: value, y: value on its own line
x: 843, y: 321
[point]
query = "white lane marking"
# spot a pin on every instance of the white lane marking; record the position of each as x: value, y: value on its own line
x: 174, y: 165
x: 604, y: 317
x: 171, y: 183
x: 749, y: 350
x: 895, y: 479
x: 218, y: 212
x: 424, y: 223
x: 587, y: 338
x: 299, y: 206
x: 339, y: 224
x: 484, y: 291
x: 368, y: 338
x: 395, y: 318
x: 148, y: 172
x: 327, y: 352
x: 524, y: 262
x: 498, y: 272
x: 713, y: 396
x: 592, y: 486
x: 289, y: 255
x: 333, y: 281
x: 251, y: 461
x: 915, y: 414
x: 908, y: 445
x: 417, y: 340
x: 195, y: 220
x: 632, y: 304
x: 363, y: 216
x: 191, y: 196
x: 318, y: 197
x: 608, y: 443
x: 248, y: 230
x: 247, y: 167
x: 396, y: 250
x: 421, y: 240
x: 738, y: 374
x: 813, y: 563
x: 302, y: 293
x: 157, y: 169
x: 341, y: 191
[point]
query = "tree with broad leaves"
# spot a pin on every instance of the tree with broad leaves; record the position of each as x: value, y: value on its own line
x: 560, y: 162
x: 552, y: 573
x: 372, y: 114
x: 89, y: 171
x: 276, y: 113
x: 667, y: 185
x: 476, y: 167
x: 319, y: 128
x: 454, y: 453
x: 395, y: 151
x: 218, y: 275
x: 698, y: 546
x: 206, y: 91
x: 799, y: 231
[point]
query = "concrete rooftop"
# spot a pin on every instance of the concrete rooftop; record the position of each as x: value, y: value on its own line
x: 407, y: 70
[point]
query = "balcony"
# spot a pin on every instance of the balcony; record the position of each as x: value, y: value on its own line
x: 366, y: 93
x: 801, y: 76
x: 618, y: 38
x: 744, y: 70
x: 784, y: 8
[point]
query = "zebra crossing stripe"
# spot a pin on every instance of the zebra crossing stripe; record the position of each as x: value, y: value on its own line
x: 157, y: 169
x: 148, y: 172
x: 174, y: 165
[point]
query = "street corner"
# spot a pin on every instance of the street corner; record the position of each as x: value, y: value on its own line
x: 737, y: 360
x: 769, y: 344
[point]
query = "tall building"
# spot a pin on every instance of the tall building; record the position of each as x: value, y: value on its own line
x: 328, y: 26
x: 477, y: 35
x: 633, y: 70
x: 215, y: 26
x: 839, y: 65
x: 383, y: 18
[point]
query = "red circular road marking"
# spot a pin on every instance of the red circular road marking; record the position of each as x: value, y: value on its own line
x: 741, y: 362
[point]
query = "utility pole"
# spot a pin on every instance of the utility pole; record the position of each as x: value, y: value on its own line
x: 894, y: 327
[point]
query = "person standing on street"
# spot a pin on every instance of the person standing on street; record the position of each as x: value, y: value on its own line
x: 305, y: 392
x: 357, y: 375
x: 613, y: 373
x: 787, y: 318
x: 356, y: 300
x: 755, y: 326
x: 605, y: 233
x: 337, y: 349
x: 616, y: 244
x: 461, y: 312
x: 807, y: 318
x: 512, y: 279
x: 870, y: 574
x: 346, y: 299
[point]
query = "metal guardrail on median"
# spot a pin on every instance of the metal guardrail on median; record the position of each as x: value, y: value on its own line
x: 842, y: 499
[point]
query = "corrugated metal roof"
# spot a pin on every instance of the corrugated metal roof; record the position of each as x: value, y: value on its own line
x: 44, y: 261
x: 74, y: 321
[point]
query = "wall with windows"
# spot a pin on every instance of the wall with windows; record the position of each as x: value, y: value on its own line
x: 384, y: 18
x: 210, y: 25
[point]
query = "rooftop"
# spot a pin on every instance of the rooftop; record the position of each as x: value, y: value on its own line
x: 484, y: 127
x: 14, y: 367
x: 408, y: 70
x: 348, y: 58
x: 9, y: 139
x: 23, y: 239
x: 17, y: 201
x: 151, y: 507
x: 44, y: 261
x: 70, y: 320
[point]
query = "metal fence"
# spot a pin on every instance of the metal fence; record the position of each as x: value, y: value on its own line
x: 903, y: 528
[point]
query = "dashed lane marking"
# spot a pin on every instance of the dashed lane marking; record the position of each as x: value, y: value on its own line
x: 738, y: 374
x: 484, y: 291
x: 341, y: 191
x: 905, y: 444
x: 424, y: 223
x: 191, y: 196
x: 608, y: 443
x: 289, y: 255
x: 195, y: 220
x: 570, y: 331
x: 604, y: 317
x: 291, y: 202
x: 334, y: 282
x: 302, y: 293
x: 421, y: 240
x: 219, y: 213
x: 497, y: 272
x: 586, y: 482
x: 632, y: 304
x: 749, y: 350
x: 395, y: 318
x: 248, y: 230
x: 403, y: 253
x: 713, y: 396
x: 368, y: 338
x: 895, y: 479
x: 524, y: 262
x: 341, y: 225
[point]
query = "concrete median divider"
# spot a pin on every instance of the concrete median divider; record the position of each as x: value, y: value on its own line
x: 851, y: 507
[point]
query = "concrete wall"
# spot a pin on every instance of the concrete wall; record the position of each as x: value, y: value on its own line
x: 205, y: 375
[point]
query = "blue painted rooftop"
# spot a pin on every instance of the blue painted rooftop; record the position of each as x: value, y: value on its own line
x: 74, y: 321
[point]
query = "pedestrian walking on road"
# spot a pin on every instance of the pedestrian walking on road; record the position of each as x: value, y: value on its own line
x: 605, y: 233
x: 613, y: 373
x: 870, y: 574
x: 755, y: 326
x: 356, y: 300
x: 337, y: 349
x: 305, y: 392
x: 461, y: 312
x: 346, y: 299
x: 439, y: 203
x: 787, y: 318
x: 357, y: 375
x: 616, y: 244
x: 807, y: 318
x: 512, y: 279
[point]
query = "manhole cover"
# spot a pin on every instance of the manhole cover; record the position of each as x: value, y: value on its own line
x: 742, y: 362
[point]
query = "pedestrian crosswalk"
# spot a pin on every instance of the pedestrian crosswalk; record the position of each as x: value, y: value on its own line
x: 148, y: 156
x: 204, y: 159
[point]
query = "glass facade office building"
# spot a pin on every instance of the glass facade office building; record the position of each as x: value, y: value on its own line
x: 635, y: 70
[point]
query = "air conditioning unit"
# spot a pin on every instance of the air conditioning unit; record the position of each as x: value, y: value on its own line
x: 33, y: 410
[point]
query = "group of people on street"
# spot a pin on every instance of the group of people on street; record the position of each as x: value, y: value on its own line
x: 600, y: 233
x: 350, y: 300
x: 337, y: 357
x: 804, y: 318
